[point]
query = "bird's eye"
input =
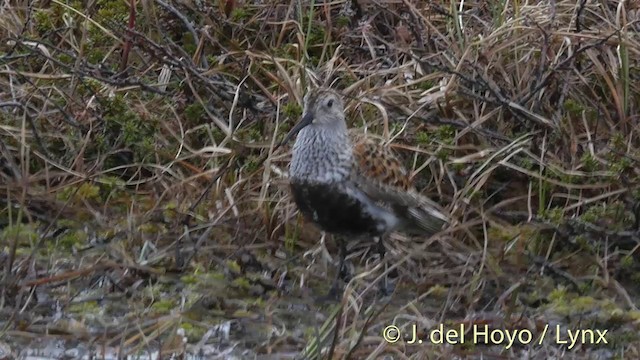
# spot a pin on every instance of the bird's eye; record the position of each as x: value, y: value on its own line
x: 330, y: 103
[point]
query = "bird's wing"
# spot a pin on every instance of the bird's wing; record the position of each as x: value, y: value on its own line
x: 380, y: 174
x: 378, y: 163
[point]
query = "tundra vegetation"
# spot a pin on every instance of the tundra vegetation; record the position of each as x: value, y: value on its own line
x: 144, y: 205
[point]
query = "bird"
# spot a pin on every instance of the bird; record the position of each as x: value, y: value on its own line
x: 350, y: 185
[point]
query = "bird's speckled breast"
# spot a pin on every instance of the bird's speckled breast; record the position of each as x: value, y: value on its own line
x: 334, y: 210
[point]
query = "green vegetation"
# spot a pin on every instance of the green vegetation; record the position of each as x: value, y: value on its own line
x: 138, y: 212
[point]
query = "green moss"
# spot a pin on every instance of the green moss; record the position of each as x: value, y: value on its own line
x: 292, y: 110
x: 153, y: 291
x: 368, y: 111
x: 572, y: 107
x: 614, y: 215
x: 621, y: 339
x: 395, y: 127
x: 252, y: 134
x: 618, y: 143
x: 346, y: 80
x: 558, y: 294
x: 43, y: 21
x: 620, y: 165
x: 251, y: 164
x: 66, y: 59
x: 97, y: 44
x: 84, y: 307
x: 634, y: 315
x: 193, y: 333
x: 125, y: 128
x: 212, y: 282
x: 243, y: 314
x: 555, y: 215
x: 439, y: 291
x: 95, y: 56
x: 627, y: 261
x: 115, y: 11
x: 194, y: 113
x: 526, y: 163
x: 636, y: 194
x: 216, y: 134
x: 423, y: 138
x: 478, y: 194
x: 189, y: 279
x: 169, y: 211
x: 583, y: 303
x: 458, y: 167
x: 86, y: 191
x: 240, y: 14
x: 25, y: 234
x: 591, y: 215
x: 572, y: 305
x: 68, y: 223
x: 188, y: 43
x: 233, y: 266
x: 214, y: 276
x: 111, y: 184
x: 163, y: 306
x: 570, y: 178
x: 585, y: 287
x: 241, y: 283
x: 315, y: 39
x: 503, y: 234
x: 212, y: 59
x: 589, y: 162
x: 316, y: 35
x: 583, y: 242
x: 152, y: 228
x: 290, y: 238
x: 72, y: 239
x: 425, y: 85
x: 444, y: 134
x: 343, y: 21
x: 443, y: 154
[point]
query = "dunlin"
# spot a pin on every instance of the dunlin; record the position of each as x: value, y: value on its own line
x: 351, y: 185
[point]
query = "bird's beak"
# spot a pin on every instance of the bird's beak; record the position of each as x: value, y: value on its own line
x: 306, y: 120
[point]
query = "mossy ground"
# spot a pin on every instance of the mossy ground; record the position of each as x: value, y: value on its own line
x: 144, y: 206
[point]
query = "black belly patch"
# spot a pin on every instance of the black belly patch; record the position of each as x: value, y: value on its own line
x: 333, y: 210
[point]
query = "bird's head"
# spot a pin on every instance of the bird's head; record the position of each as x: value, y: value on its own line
x: 323, y: 109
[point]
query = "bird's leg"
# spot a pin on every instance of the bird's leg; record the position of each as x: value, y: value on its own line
x: 333, y: 292
x: 381, y: 252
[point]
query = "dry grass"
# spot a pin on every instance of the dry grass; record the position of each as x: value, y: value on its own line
x: 143, y: 200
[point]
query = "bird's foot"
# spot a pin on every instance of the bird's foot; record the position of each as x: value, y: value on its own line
x: 388, y: 282
x: 385, y: 288
x: 345, y: 273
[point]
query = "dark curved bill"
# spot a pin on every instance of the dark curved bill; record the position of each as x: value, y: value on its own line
x: 306, y: 120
